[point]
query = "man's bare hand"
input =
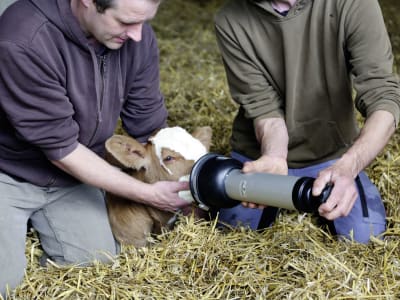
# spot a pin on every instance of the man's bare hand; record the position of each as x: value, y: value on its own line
x: 165, y: 195
x: 343, y: 195
x: 265, y: 164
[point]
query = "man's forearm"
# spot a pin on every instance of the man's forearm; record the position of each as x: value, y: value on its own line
x: 273, y: 137
x: 89, y: 168
x: 374, y: 136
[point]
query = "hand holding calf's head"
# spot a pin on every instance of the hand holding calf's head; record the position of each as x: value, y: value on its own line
x: 169, y: 155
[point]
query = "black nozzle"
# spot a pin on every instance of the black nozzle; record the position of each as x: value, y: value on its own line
x: 207, y: 181
x: 303, y: 199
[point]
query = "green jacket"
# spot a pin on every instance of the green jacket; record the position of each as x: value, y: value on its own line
x: 305, y: 68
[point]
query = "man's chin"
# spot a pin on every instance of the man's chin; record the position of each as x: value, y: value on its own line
x: 113, y: 46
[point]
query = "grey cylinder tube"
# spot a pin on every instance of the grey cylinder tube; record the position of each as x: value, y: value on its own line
x: 261, y: 188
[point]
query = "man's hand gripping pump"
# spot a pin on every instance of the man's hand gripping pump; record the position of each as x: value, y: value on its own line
x: 217, y: 182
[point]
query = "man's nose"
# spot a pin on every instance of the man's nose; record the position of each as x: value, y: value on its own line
x: 134, y: 32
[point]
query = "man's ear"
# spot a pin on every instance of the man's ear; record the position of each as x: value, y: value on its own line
x: 86, y: 3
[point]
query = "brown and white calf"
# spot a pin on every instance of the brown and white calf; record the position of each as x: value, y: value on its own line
x: 169, y: 155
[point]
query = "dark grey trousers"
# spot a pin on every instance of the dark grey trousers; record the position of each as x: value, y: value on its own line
x: 72, y: 224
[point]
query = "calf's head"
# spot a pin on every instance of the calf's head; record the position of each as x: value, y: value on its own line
x: 169, y: 154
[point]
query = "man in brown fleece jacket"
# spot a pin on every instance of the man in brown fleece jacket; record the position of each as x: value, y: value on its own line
x: 68, y: 70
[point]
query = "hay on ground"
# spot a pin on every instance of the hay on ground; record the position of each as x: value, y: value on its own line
x: 292, y: 260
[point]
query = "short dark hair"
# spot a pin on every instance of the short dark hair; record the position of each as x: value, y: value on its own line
x: 102, y: 5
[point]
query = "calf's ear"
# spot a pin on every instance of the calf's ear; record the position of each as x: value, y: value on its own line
x: 125, y: 152
x: 204, y: 135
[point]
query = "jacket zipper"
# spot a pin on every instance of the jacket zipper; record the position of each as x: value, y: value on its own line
x: 102, y: 67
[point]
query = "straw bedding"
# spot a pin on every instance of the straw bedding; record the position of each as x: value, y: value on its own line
x: 295, y: 259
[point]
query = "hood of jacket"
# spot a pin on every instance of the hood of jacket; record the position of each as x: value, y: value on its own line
x: 68, y: 24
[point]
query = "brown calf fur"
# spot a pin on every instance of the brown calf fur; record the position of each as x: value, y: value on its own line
x: 133, y: 222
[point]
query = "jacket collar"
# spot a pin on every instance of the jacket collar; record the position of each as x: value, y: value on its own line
x: 296, y: 9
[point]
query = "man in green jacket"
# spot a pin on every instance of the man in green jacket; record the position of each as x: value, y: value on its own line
x: 293, y: 67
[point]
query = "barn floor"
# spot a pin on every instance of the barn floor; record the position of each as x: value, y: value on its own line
x: 292, y: 260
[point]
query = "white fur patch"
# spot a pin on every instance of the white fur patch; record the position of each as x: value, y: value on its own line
x: 179, y: 140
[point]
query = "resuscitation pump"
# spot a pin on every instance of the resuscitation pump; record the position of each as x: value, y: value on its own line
x: 217, y: 181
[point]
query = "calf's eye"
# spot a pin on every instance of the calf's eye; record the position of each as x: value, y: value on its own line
x: 168, y: 158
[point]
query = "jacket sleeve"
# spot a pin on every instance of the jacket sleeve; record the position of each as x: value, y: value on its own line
x: 248, y: 84
x: 35, y: 102
x: 144, y: 110
x: 371, y: 59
